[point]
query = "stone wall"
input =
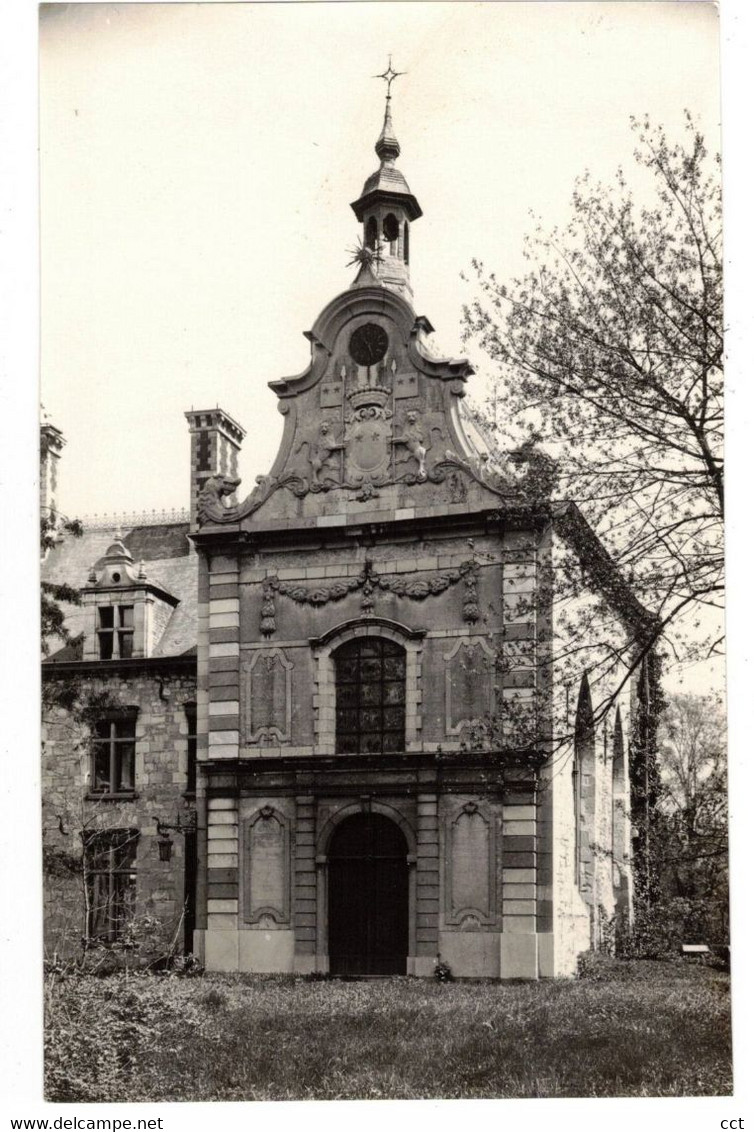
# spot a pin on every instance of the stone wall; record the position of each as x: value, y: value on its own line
x: 586, y: 809
x: 68, y: 809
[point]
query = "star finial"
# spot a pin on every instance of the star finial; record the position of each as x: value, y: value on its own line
x: 389, y: 75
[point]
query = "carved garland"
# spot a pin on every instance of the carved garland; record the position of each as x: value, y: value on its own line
x: 417, y: 589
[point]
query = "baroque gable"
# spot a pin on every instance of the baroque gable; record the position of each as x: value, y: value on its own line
x: 375, y: 423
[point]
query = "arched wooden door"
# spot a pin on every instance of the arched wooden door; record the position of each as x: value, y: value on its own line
x: 368, y: 897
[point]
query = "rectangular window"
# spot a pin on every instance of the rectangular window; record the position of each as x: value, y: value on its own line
x: 115, y: 630
x: 110, y: 860
x: 113, y: 756
x: 191, y: 749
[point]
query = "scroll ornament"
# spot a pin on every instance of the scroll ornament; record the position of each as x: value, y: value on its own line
x: 368, y: 582
x: 524, y: 475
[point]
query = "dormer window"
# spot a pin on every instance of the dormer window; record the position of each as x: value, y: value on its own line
x: 116, y: 632
x: 127, y: 609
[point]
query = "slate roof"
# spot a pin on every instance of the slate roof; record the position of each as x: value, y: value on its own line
x: 170, y: 562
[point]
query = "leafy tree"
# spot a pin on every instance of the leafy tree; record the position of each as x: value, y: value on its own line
x: 609, y: 352
x: 693, y: 818
x: 52, y: 530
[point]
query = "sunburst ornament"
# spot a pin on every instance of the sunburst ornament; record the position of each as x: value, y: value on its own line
x: 362, y: 254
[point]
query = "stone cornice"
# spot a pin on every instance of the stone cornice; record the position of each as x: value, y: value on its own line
x: 182, y: 663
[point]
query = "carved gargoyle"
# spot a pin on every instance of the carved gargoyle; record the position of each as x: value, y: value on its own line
x: 211, y: 507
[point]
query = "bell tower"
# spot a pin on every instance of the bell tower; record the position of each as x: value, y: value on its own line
x: 387, y: 207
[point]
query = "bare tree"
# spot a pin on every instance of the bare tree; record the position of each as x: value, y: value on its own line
x: 609, y: 351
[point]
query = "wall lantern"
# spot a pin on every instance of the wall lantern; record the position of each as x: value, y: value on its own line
x: 165, y: 841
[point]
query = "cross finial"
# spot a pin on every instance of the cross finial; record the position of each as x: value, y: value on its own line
x: 389, y: 75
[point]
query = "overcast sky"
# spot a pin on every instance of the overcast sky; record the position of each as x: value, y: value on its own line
x: 198, y: 162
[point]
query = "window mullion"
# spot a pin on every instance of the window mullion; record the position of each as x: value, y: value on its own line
x: 113, y: 758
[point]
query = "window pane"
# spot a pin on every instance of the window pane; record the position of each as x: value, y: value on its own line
x: 389, y: 648
x: 105, y: 646
x: 126, y: 645
x: 371, y: 694
x: 106, y: 617
x: 371, y: 669
x: 348, y: 695
x: 99, y: 906
x: 394, y: 693
x: 125, y: 729
x: 124, y: 849
x: 124, y: 766
x: 347, y: 720
x: 369, y: 648
x: 394, y: 668
x: 370, y: 719
x: 97, y: 848
x: 126, y: 616
x: 101, y: 767
x: 394, y: 741
x: 191, y: 749
x: 393, y: 718
x: 123, y: 901
x: 371, y: 744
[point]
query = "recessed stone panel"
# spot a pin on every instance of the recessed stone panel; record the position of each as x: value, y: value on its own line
x: 469, y: 686
x: 266, y: 705
x: 470, y: 868
x: 267, y: 868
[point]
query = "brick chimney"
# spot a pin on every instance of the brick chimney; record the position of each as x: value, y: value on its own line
x: 215, y: 443
x: 51, y: 442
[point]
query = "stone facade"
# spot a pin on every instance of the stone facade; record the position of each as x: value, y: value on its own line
x: 101, y: 784
x: 401, y: 752
x: 386, y: 520
x: 70, y: 808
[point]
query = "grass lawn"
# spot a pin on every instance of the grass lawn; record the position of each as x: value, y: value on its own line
x: 630, y: 1029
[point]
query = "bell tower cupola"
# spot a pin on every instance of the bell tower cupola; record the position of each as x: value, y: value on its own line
x: 387, y: 207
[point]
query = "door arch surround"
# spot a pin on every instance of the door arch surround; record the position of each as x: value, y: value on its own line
x: 327, y: 876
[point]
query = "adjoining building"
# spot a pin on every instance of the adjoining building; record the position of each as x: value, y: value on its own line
x: 393, y: 759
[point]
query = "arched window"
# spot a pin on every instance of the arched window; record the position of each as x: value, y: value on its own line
x: 370, y: 696
x: 390, y: 231
x: 584, y: 788
x: 620, y: 816
x: 405, y: 242
x: 372, y: 233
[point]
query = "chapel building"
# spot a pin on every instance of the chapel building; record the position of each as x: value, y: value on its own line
x: 382, y: 783
x: 357, y: 703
